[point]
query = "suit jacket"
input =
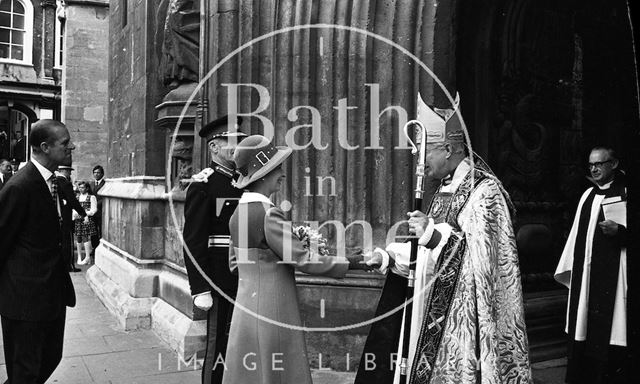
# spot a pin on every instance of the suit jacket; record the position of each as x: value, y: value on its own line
x: 207, y: 209
x: 95, y: 189
x: 69, y: 203
x: 19, y: 150
x: 5, y: 181
x: 34, y: 281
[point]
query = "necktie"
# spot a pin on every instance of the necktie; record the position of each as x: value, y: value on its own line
x: 54, y: 190
x: 54, y: 196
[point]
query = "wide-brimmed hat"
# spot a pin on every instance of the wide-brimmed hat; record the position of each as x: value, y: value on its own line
x: 255, y: 157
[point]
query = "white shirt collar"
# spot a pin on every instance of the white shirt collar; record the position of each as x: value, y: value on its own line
x: 606, y: 186
x: 46, y: 174
x: 98, y: 181
x: 254, y: 197
x: 458, y: 175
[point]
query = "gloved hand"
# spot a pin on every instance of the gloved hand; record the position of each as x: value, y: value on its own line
x: 377, y: 258
x: 418, y: 222
x: 203, y: 301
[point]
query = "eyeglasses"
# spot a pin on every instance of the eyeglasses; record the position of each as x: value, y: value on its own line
x: 598, y: 164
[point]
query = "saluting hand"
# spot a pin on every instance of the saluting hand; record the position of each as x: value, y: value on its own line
x: 418, y: 221
x: 609, y: 227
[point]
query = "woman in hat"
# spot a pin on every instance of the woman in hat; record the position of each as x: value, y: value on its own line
x: 264, y: 344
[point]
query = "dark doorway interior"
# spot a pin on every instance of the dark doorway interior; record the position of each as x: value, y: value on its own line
x: 542, y: 82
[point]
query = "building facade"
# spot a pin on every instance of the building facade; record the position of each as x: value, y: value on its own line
x: 53, y: 65
x: 338, y: 80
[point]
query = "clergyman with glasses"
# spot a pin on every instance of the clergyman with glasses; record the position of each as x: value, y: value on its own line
x: 593, y: 266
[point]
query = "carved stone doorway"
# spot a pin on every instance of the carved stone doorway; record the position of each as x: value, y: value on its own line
x: 539, y: 81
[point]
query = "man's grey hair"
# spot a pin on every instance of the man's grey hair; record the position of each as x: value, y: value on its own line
x: 610, y: 151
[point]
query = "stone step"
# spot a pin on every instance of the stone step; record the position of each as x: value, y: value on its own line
x: 547, y: 351
x: 545, y: 316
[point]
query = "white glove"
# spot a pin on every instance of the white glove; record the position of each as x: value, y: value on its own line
x: 379, y: 259
x: 203, y: 301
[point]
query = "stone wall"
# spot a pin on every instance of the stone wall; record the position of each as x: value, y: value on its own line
x: 35, y: 86
x: 139, y: 272
x: 135, y: 147
x: 85, y: 87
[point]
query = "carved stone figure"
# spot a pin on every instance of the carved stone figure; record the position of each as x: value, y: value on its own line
x: 180, y: 48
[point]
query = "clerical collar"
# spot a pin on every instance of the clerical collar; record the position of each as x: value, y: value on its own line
x: 458, y: 175
x: 606, y: 186
x: 254, y: 197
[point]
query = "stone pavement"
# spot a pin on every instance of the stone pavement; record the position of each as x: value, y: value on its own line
x: 97, y: 351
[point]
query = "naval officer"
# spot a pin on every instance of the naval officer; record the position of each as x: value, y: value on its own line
x: 209, y: 204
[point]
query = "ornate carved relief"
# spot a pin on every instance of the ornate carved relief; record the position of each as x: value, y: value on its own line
x: 537, y: 136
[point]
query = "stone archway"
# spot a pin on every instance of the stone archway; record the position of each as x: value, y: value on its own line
x: 15, y: 117
x: 542, y: 82
x: 529, y: 72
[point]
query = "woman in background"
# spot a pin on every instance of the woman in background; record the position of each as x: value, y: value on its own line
x: 85, y: 228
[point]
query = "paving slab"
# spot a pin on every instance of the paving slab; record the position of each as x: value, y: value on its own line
x: 132, y: 340
x: 84, y: 346
x: 71, y: 370
x: 117, y: 366
x: 97, y: 351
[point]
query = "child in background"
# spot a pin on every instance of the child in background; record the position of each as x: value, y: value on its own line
x: 85, y: 228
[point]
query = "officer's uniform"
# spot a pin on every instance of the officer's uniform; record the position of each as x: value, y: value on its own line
x: 209, y: 204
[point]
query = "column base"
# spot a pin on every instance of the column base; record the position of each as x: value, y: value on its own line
x: 130, y: 292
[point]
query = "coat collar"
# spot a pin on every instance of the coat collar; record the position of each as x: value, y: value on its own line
x: 458, y: 176
x: 254, y: 197
x: 228, y: 172
x: 46, y: 174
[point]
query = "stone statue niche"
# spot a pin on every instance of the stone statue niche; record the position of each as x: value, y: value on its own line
x: 181, y: 40
x: 177, y: 41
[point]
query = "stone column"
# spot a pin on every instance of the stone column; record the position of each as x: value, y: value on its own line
x: 48, y: 36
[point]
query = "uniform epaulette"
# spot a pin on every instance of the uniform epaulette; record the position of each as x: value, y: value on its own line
x: 224, y: 170
x: 203, y: 176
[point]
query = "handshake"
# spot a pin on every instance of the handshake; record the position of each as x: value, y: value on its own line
x: 422, y: 226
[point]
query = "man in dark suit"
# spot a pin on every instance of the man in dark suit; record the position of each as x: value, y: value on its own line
x: 15, y: 165
x: 5, y: 172
x: 210, y: 202
x: 98, y: 175
x: 69, y: 203
x: 35, y: 286
x: 18, y: 147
